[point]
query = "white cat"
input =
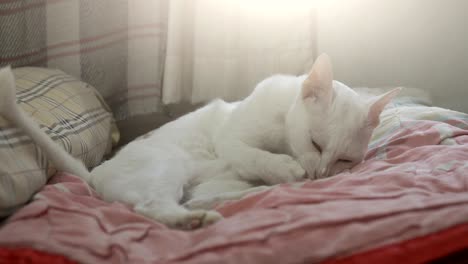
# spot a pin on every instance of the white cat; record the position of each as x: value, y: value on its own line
x: 288, y: 129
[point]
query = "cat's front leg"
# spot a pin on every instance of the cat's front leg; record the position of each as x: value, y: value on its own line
x: 282, y: 168
x: 254, y: 164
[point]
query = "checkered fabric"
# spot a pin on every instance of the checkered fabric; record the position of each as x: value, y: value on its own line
x: 71, y: 112
x: 117, y: 46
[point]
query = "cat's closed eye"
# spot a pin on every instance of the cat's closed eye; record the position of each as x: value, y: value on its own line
x: 316, y: 146
x: 345, y: 161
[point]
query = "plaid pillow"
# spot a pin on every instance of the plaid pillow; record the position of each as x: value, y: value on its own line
x: 71, y: 112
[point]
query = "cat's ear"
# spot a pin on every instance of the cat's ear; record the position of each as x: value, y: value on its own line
x: 319, y: 83
x: 379, y: 104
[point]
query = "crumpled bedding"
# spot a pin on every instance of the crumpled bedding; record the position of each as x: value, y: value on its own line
x: 413, y: 182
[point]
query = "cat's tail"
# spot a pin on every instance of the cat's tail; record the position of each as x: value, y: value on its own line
x: 9, y: 109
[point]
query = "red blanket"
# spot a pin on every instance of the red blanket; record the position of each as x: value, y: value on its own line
x: 407, y: 202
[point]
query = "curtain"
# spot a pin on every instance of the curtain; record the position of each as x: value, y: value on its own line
x: 115, y: 45
x: 222, y: 48
x: 141, y: 54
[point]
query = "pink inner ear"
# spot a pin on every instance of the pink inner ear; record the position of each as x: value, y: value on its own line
x: 374, y: 113
x: 311, y: 87
x: 319, y: 82
x: 377, y: 107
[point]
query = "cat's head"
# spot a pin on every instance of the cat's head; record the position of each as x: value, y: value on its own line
x: 329, y: 125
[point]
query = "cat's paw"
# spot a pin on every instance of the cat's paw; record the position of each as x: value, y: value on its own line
x: 194, y: 219
x: 282, y: 169
x: 181, y: 218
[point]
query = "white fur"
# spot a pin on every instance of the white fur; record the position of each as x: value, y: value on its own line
x: 227, y: 147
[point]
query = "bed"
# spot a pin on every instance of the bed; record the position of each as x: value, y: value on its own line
x: 406, y: 203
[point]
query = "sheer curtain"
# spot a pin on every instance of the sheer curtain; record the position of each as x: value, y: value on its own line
x: 142, y: 53
x: 222, y: 48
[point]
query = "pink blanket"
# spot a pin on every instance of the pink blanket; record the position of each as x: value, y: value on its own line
x: 414, y: 182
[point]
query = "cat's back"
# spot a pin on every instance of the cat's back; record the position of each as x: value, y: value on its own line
x: 192, y: 132
x: 271, y: 97
x: 203, y: 120
x: 277, y: 90
x: 183, y: 139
